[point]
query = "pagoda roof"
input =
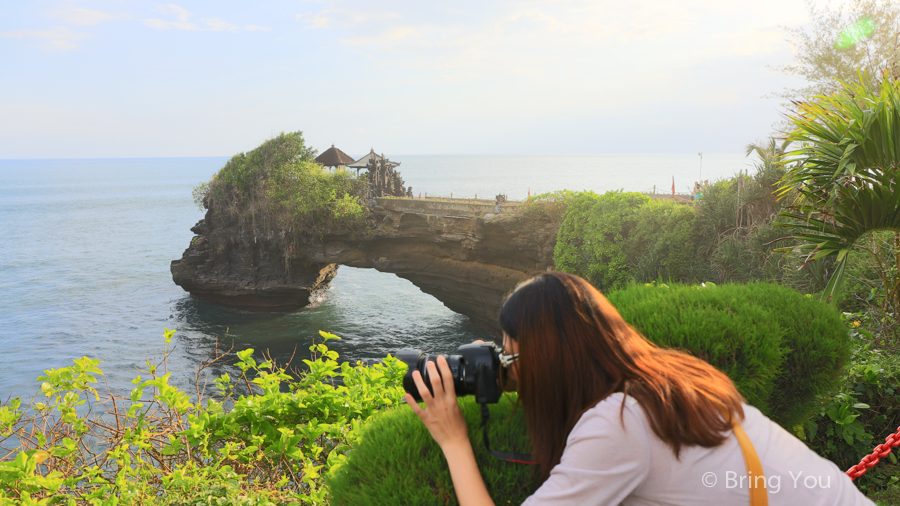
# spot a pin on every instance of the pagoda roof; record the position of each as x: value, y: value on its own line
x: 363, y: 162
x: 334, y: 157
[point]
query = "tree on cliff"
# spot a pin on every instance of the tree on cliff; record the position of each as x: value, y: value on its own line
x: 278, y: 187
x: 840, y: 43
x: 270, y: 161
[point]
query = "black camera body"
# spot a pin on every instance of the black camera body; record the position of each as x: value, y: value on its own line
x: 476, y: 370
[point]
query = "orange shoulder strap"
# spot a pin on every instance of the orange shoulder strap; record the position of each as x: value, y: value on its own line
x: 759, y: 496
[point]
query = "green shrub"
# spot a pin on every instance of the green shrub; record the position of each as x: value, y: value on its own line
x: 781, y: 348
x: 663, y: 242
x: 818, y: 349
x: 849, y: 424
x: 615, y: 238
x: 591, y: 239
x: 547, y: 206
x: 266, y: 162
x: 714, y: 324
x: 160, y: 446
x: 395, y: 460
x: 279, y: 188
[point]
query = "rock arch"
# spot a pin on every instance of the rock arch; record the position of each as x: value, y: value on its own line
x: 467, y: 255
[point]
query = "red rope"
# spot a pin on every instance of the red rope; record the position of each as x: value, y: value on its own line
x: 881, y: 451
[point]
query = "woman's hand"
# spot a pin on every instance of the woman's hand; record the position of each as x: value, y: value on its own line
x: 441, y: 416
x: 445, y: 422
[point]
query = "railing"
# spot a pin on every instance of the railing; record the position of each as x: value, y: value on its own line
x: 454, y: 197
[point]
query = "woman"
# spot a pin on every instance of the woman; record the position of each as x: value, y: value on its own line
x: 616, y: 420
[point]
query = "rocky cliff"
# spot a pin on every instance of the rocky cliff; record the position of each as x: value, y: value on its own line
x: 467, y: 255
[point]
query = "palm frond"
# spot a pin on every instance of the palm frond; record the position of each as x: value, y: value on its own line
x: 845, y: 172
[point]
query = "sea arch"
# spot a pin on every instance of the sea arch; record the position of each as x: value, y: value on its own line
x: 467, y: 254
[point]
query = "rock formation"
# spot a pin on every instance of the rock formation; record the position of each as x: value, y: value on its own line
x: 468, y: 256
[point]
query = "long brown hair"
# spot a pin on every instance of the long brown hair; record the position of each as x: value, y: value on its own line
x: 575, y: 350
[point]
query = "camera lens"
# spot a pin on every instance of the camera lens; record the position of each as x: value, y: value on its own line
x: 416, y: 361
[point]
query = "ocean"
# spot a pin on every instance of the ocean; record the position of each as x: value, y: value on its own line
x: 86, y: 247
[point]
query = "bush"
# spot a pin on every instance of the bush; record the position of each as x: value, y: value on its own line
x: 663, y: 242
x: 615, y: 238
x: 267, y: 162
x: 395, y: 460
x: 781, y: 348
x: 849, y: 424
x: 279, y: 188
x: 547, y: 206
x: 591, y: 239
x: 714, y: 324
x: 818, y: 349
x: 160, y: 446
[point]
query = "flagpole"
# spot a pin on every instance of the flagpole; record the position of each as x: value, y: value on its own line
x: 701, y: 167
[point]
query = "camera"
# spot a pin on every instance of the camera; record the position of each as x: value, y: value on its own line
x: 478, y: 369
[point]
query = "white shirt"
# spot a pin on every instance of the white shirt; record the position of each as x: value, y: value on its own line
x: 605, y: 463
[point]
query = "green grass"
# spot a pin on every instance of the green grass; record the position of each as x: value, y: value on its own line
x: 395, y: 460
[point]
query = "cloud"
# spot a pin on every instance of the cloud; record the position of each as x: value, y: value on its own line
x: 315, y: 19
x: 181, y: 16
x: 587, y: 57
x: 571, y: 39
x: 181, y: 22
x: 219, y: 25
x: 752, y: 41
x: 345, y: 18
x: 59, y: 38
x: 84, y: 17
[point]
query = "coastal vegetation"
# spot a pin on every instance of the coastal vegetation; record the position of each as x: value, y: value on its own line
x: 842, y: 186
x: 614, y: 238
x: 808, y: 218
x: 793, y: 348
x: 278, y: 186
x: 262, y: 438
x: 396, y: 461
x: 267, y: 437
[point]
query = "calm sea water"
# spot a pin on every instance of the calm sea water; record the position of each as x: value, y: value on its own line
x: 86, y: 247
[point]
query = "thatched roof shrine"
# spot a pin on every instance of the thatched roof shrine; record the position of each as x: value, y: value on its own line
x: 334, y: 157
x: 363, y: 162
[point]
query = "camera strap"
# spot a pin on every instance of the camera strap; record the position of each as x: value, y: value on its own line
x: 518, y: 458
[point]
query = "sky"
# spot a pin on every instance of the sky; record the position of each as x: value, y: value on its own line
x: 128, y: 78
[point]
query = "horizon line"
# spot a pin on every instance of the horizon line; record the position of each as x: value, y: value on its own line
x: 399, y: 155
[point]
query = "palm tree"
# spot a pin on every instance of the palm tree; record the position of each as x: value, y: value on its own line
x: 845, y: 176
x: 761, y: 197
x: 770, y: 152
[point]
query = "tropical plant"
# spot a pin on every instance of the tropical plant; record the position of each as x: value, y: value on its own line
x: 843, y: 185
x: 770, y: 151
x: 847, y: 425
x: 264, y: 437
